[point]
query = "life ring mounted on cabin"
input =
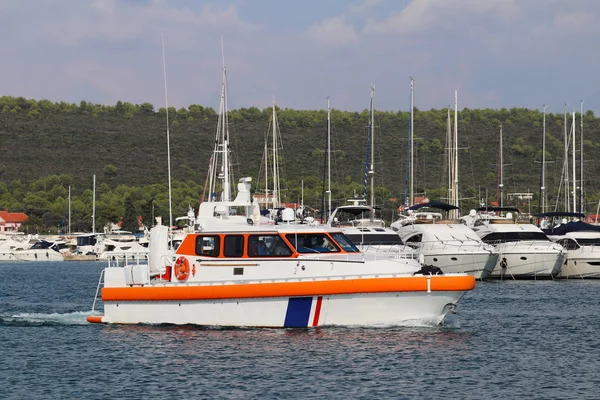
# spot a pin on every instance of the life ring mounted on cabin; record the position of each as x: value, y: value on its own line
x: 182, y: 269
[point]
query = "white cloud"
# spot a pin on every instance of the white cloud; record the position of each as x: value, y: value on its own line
x: 336, y: 31
x: 74, y: 22
x: 432, y: 15
x: 363, y: 6
x: 575, y: 22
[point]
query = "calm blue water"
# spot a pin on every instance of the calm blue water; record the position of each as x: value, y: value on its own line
x: 509, y: 340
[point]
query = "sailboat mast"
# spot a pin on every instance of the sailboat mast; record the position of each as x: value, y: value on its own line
x: 372, y: 171
x: 566, y: 162
x: 501, y: 182
x: 455, y: 189
x: 328, y: 156
x: 412, y: 142
x: 168, y: 138
x: 581, y: 160
x: 573, y: 167
x: 225, y: 132
x: 275, y: 172
x: 266, y: 175
x: 543, y: 186
x: 450, y: 153
x: 94, y: 206
x: 69, y: 224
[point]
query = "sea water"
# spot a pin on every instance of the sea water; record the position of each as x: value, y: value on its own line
x: 508, y: 340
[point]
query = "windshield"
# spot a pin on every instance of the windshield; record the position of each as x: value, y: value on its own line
x: 345, y: 243
x: 312, y: 243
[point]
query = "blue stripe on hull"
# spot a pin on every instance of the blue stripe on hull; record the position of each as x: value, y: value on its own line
x: 298, y: 312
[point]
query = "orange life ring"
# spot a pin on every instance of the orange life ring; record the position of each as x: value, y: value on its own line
x: 182, y: 268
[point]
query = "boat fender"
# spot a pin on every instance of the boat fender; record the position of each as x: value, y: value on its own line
x: 182, y: 269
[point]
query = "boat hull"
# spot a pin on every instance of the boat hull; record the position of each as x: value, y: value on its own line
x: 358, y: 301
x: 369, y: 309
x: 581, y: 263
x: 31, y: 255
x: 480, y: 265
x: 528, y: 265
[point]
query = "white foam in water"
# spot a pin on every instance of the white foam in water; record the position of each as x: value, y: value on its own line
x: 74, y: 318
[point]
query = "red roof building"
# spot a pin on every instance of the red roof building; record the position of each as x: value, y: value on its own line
x: 10, y: 222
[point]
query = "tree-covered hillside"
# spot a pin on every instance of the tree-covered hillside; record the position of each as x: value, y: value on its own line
x: 126, y: 145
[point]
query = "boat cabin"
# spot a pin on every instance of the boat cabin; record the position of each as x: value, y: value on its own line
x: 265, y: 244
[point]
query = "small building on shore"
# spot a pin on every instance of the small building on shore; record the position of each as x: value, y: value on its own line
x: 11, y: 221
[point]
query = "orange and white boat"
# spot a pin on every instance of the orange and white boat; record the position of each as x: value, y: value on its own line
x: 236, y: 271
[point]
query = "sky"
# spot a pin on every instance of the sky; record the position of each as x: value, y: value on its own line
x: 496, y: 53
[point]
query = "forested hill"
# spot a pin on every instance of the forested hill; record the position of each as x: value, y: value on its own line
x: 126, y: 144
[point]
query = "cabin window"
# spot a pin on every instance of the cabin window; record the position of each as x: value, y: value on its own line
x: 502, y: 237
x: 312, y: 243
x: 375, y: 239
x: 233, y: 246
x: 345, y: 243
x: 569, y: 244
x: 207, y: 246
x: 267, y: 246
x: 589, y: 242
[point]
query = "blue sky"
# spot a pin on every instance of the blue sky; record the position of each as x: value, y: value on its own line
x: 497, y: 53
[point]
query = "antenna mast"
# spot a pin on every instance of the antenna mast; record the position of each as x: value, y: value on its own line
x: 328, y: 156
x: 168, y: 136
x: 412, y: 142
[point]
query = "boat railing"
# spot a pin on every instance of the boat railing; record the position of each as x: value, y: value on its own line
x: 100, y: 280
x: 537, y: 245
x: 398, y: 251
x: 122, y: 259
x: 454, y: 245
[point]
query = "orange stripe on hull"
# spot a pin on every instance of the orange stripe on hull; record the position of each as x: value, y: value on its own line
x: 95, y: 319
x: 292, y: 289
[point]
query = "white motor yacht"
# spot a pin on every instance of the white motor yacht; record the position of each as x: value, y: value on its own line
x: 446, y: 244
x: 581, y: 242
x: 524, y: 250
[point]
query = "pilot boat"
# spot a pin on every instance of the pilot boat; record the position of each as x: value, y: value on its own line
x: 238, y: 270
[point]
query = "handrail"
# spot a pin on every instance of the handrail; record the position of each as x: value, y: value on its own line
x: 97, y: 290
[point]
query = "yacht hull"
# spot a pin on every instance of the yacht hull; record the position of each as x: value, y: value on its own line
x: 527, y: 264
x: 32, y: 255
x: 581, y: 264
x: 480, y: 265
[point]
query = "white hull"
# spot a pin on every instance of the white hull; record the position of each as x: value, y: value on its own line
x: 359, y: 309
x: 31, y: 255
x: 480, y: 265
x: 299, y: 292
x: 527, y: 264
x: 581, y: 263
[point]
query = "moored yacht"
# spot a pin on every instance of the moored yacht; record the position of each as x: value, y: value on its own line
x: 444, y: 243
x: 524, y: 250
x: 581, y: 242
x: 120, y: 245
x: 24, y: 248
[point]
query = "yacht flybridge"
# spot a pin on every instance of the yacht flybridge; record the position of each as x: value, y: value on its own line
x: 236, y: 271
